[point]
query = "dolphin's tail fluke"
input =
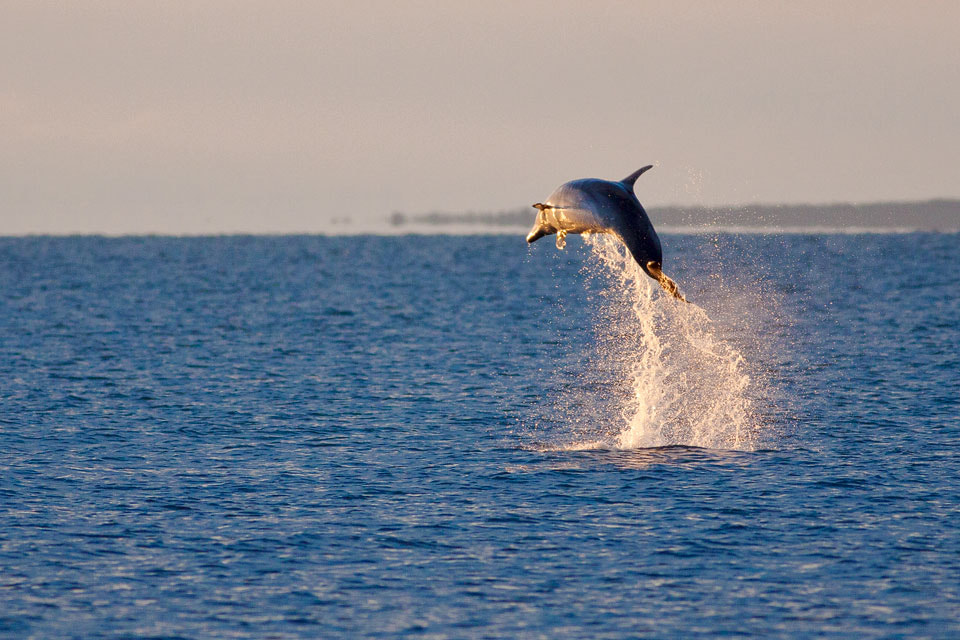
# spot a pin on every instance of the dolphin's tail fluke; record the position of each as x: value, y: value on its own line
x: 653, y: 270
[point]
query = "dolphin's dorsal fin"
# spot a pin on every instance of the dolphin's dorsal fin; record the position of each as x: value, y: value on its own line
x: 630, y: 179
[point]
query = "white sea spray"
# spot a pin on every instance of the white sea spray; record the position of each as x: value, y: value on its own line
x: 663, y: 373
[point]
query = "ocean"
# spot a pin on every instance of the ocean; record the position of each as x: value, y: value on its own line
x: 466, y: 437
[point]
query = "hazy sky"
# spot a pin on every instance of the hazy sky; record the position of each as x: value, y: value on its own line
x: 281, y: 116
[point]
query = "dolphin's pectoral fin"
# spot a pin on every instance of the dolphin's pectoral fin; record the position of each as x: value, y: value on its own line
x: 561, y: 239
x: 653, y: 269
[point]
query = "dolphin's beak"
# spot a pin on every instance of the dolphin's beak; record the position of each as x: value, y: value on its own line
x: 537, y: 231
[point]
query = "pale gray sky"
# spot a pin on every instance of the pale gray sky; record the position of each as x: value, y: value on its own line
x: 194, y: 117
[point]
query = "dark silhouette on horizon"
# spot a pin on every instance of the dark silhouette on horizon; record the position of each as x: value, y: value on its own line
x: 928, y: 215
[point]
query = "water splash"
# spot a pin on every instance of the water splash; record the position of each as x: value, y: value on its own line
x: 675, y: 380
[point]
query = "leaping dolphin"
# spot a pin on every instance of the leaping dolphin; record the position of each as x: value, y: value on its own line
x: 592, y: 205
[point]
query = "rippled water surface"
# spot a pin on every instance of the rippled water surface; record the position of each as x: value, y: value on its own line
x: 443, y: 437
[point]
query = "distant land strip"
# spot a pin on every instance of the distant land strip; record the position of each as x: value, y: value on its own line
x: 928, y: 215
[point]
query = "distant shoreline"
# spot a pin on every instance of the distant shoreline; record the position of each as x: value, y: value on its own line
x: 884, y: 217
x: 938, y: 216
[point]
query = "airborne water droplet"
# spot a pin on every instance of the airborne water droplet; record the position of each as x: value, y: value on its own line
x: 561, y: 239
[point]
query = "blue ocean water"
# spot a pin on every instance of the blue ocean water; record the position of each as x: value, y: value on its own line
x: 430, y: 437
